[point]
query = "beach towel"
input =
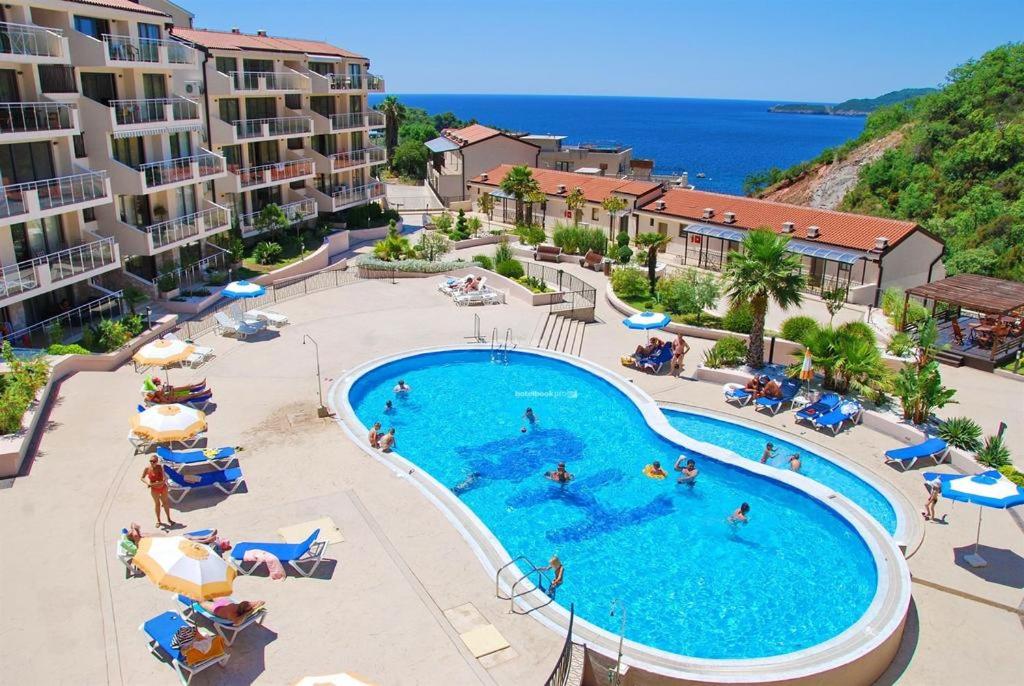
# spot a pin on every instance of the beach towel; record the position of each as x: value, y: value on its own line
x: 274, y: 567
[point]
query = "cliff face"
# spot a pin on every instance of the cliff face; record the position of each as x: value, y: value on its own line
x: 825, y: 186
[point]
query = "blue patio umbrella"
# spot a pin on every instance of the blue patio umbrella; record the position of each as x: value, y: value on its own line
x: 988, y: 489
x: 647, y: 321
x: 243, y: 289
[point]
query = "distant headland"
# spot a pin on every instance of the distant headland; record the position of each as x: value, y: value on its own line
x: 856, y: 107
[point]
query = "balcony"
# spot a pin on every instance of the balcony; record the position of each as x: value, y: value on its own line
x: 33, y: 44
x: 353, y: 159
x: 130, y: 51
x: 47, y: 197
x: 31, y: 121
x: 336, y: 84
x: 374, y: 83
x: 296, y: 212
x: 156, y: 238
x: 166, y: 174
x: 375, y: 120
x: 256, y: 82
x: 250, y: 178
x: 56, y: 270
x: 249, y: 130
x: 124, y: 118
x: 341, y: 197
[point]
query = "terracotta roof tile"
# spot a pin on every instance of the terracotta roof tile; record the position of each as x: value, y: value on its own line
x: 474, y: 133
x: 844, y: 229
x: 122, y: 5
x: 595, y: 188
x: 228, y: 40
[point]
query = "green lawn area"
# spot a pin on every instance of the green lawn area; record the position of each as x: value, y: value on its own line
x: 1009, y: 367
x: 293, y: 252
x: 646, y: 303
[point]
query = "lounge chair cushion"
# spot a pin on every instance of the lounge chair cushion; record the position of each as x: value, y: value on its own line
x: 284, y: 552
x: 926, y: 448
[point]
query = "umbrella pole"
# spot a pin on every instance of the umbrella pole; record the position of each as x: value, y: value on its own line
x: 974, y: 559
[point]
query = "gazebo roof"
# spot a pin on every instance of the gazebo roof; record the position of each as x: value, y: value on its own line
x: 982, y: 293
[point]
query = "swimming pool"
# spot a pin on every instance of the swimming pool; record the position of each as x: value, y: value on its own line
x: 797, y: 576
x: 749, y: 443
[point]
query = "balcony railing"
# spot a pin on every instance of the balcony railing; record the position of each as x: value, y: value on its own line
x: 375, y: 119
x: 375, y: 155
x: 277, y: 126
x: 26, y: 39
x: 374, y: 83
x: 147, y: 50
x: 356, y: 158
x: 269, y: 81
x: 295, y: 212
x: 53, y: 193
x: 345, y: 196
x: 25, y: 117
x: 154, y: 110
x: 188, y: 226
x: 351, y: 120
x: 197, y: 272
x: 60, y: 265
x: 106, y: 307
x: 181, y: 169
x: 274, y: 172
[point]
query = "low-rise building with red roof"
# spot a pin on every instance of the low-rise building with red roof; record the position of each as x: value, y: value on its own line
x: 458, y: 155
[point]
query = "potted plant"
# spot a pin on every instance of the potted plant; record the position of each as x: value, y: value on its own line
x: 160, y: 213
x: 168, y: 284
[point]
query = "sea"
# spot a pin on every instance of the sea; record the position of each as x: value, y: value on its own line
x: 725, y: 140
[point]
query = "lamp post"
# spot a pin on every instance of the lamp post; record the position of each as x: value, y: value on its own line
x: 321, y: 411
x: 149, y: 317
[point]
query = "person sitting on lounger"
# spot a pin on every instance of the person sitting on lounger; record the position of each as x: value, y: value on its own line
x: 402, y: 387
x: 772, y: 390
x: 794, y: 462
x: 472, y: 285
x: 134, y: 533
x: 689, y: 472
x: 653, y: 346
x: 769, y: 453
x: 375, y: 435
x: 755, y: 384
x: 231, y: 611
x: 740, y: 515
x: 559, y: 475
x: 387, y: 442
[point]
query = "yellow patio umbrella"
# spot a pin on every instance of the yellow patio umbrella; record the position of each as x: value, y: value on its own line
x: 179, y: 565
x: 807, y: 368
x: 168, y: 423
x: 163, y: 353
x: 342, y: 679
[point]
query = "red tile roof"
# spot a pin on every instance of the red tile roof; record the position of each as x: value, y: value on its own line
x: 228, y: 40
x: 595, y: 188
x: 467, y: 135
x: 123, y: 5
x: 844, y: 229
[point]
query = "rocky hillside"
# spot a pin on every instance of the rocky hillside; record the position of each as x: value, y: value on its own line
x: 826, y: 185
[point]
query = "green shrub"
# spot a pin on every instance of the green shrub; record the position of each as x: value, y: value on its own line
x: 961, y: 432
x: 484, y: 261
x: 994, y: 452
x: 621, y: 238
x: 534, y: 284
x: 217, y: 278
x: 892, y: 307
x: 133, y: 324
x: 444, y: 221
x: 1012, y: 474
x: 901, y: 345
x: 739, y: 318
x: 167, y: 282
x: 55, y: 332
x: 502, y: 251
x: 531, y: 235
x: 111, y: 335
x: 509, y: 268
x: 18, y: 387
x: 411, y: 265
x: 267, y: 252
x: 688, y: 292
x: 796, y: 328
x: 60, y: 349
x: 726, y: 352
x: 624, y: 254
x: 578, y: 240
x: 629, y: 283
x: 857, y: 330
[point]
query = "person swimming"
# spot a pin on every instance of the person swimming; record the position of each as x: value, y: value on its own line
x: 402, y: 387
x: 740, y: 515
x: 387, y: 442
x: 655, y: 471
x: 794, y: 462
x: 769, y: 453
x: 559, y: 475
x: 389, y: 407
x: 530, y: 418
x: 689, y: 472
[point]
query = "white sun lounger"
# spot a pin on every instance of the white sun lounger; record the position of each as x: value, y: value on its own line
x: 450, y: 286
x: 200, y: 354
x: 232, y: 327
x: 275, y: 319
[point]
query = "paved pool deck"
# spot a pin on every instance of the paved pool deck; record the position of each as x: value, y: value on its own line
x: 378, y: 609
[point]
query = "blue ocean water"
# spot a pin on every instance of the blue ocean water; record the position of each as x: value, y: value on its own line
x: 725, y: 139
x: 693, y: 584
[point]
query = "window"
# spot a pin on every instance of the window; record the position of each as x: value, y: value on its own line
x: 226, y: 65
x: 257, y: 65
x: 297, y: 185
x: 154, y: 86
x: 37, y: 237
x: 229, y: 110
x: 181, y: 145
x: 260, y: 108
x: 23, y: 162
x: 650, y: 222
x: 99, y: 87
x: 322, y: 68
x: 57, y: 78
x: 89, y: 214
x: 78, y: 145
x: 593, y: 214
x: 295, y: 144
x: 129, y: 151
x: 91, y: 26
x: 233, y: 155
x: 293, y: 101
x: 322, y: 104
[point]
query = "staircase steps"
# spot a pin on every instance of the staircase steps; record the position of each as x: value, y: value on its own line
x: 949, y: 357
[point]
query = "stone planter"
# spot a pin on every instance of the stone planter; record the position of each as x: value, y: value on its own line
x: 173, y: 293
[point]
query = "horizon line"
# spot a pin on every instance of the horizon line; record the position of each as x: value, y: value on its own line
x: 597, y: 95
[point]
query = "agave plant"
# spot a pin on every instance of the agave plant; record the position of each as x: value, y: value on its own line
x: 994, y: 452
x: 961, y: 432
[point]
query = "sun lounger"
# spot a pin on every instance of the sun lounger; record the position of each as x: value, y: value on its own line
x: 934, y: 449
x: 275, y: 319
x: 735, y: 393
x: 482, y: 295
x: 309, y: 552
x: 834, y: 420
x: 200, y: 354
x: 219, y: 458
x: 452, y: 286
x: 773, y: 405
x: 232, y: 327
x: 160, y: 630
x: 227, y: 481
x: 140, y: 443
x: 655, y: 362
x: 225, y: 628
x: 825, y: 404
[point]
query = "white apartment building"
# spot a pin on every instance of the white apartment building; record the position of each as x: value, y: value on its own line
x: 128, y: 138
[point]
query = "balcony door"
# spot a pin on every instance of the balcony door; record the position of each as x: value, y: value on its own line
x: 99, y: 87
x: 37, y: 238
x: 9, y: 86
x: 136, y: 211
x: 260, y: 108
x: 250, y: 66
x: 23, y: 162
x: 322, y: 104
x: 129, y: 151
x: 181, y: 145
x: 229, y: 110
x: 186, y: 199
x: 154, y: 86
x: 263, y: 152
x: 355, y: 74
x: 91, y: 26
x: 355, y: 103
x: 261, y: 197
x: 149, y: 46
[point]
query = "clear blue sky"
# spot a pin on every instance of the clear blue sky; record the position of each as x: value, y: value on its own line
x: 814, y: 50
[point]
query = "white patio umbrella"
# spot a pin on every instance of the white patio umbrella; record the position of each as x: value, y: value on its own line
x: 243, y: 289
x: 164, y: 353
x: 168, y: 423
x: 179, y: 565
x: 647, y: 321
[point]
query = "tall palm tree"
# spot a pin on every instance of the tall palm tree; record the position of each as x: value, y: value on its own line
x: 651, y: 242
x: 519, y: 183
x: 613, y: 204
x: 394, y: 115
x: 575, y: 201
x: 761, y: 272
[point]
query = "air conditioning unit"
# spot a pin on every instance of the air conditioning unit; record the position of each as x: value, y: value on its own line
x: 813, y: 231
x: 561, y: 188
x: 660, y: 205
x: 730, y: 217
x: 193, y: 88
x: 881, y: 243
x: 788, y: 227
x: 483, y: 177
x: 709, y: 213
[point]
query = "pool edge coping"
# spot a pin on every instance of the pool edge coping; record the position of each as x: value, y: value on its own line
x: 883, y: 618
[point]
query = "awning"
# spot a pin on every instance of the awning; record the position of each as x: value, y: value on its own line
x: 323, y: 58
x: 824, y: 252
x: 133, y: 133
x: 498, y: 193
x: 440, y: 144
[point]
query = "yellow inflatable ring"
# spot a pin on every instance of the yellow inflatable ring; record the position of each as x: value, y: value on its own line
x: 651, y: 474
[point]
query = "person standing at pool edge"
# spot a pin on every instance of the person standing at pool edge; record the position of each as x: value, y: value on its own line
x: 559, y: 569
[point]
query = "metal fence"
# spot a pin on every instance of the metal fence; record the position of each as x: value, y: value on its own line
x: 560, y: 674
x: 577, y: 294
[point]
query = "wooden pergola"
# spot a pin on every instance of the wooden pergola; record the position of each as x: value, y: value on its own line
x: 983, y: 294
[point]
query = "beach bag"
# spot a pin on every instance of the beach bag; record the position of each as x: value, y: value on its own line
x: 183, y: 637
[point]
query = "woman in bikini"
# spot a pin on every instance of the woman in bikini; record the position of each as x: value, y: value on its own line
x: 156, y: 481
x: 235, y: 613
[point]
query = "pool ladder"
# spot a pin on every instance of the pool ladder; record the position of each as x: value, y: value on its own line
x: 499, y: 350
x: 526, y: 588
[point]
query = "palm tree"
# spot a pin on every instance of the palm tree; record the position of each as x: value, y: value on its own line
x: 763, y: 271
x: 575, y: 201
x: 394, y: 115
x: 485, y: 203
x: 651, y: 242
x: 613, y: 204
x: 519, y: 183
x: 534, y: 198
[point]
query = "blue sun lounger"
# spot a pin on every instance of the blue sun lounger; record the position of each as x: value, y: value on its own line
x: 739, y: 395
x: 225, y: 628
x: 654, y: 363
x: 160, y: 630
x: 934, y: 449
x: 310, y: 551
x: 226, y: 481
x: 220, y: 458
x: 825, y: 404
x: 834, y: 420
x: 789, y: 391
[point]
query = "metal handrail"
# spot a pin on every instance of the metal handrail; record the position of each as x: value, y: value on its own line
x: 279, y: 171
x: 294, y: 211
x: 353, y: 158
x: 517, y: 558
x: 276, y: 126
x: 560, y: 673
x: 374, y: 82
x: 56, y: 192
x: 187, y: 226
x: 187, y: 275
x: 21, y: 117
x: 21, y: 277
x: 76, y: 317
x: 178, y: 169
x: 375, y: 119
x: 272, y: 80
x: 131, y: 49
x: 28, y: 39
x: 349, y: 120
x: 148, y: 110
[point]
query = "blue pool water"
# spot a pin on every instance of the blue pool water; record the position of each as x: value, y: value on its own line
x: 749, y: 443
x: 796, y: 576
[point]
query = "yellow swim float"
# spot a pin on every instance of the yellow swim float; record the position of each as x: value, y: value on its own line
x: 652, y: 472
